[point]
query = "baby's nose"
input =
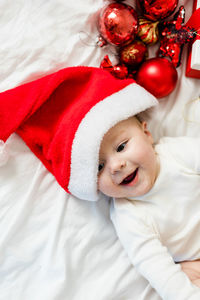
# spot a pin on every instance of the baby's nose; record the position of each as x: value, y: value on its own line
x: 117, y: 165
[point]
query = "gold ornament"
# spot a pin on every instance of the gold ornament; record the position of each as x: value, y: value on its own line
x: 148, y: 31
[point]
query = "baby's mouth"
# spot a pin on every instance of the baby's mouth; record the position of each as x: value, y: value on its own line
x: 130, y: 178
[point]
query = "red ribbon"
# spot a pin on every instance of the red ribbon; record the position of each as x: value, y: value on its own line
x: 194, y: 21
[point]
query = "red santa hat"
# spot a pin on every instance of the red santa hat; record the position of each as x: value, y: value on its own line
x: 63, y: 117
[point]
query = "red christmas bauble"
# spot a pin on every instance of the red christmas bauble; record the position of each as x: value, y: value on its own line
x: 158, y: 76
x: 133, y: 54
x: 118, y: 23
x: 157, y: 9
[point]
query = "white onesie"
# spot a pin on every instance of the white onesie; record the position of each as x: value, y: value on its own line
x: 163, y: 225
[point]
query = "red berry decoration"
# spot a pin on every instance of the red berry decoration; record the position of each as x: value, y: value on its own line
x: 158, y: 76
x: 133, y: 54
x: 118, y: 24
x: 119, y: 71
x: 174, y: 35
x: 157, y: 9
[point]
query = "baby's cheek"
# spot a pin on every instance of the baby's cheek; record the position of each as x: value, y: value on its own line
x: 101, y: 183
x: 140, y: 154
x: 146, y: 152
x: 104, y: 185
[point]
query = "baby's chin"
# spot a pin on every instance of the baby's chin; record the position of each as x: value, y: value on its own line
x: 131, y: 193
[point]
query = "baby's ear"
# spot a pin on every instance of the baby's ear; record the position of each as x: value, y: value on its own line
x: 147, y: 132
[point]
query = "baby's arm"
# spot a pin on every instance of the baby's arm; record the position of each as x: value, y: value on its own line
x: 142, y: 243
x: 192, y: 270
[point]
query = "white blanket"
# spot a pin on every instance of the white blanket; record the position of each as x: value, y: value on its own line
x: 52, y: 245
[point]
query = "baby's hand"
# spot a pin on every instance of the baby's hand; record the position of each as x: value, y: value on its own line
x: 192, y: 270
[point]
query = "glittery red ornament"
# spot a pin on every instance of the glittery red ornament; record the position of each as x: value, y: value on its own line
x: 118, y: 23
x: 157, y: 9
x: 133, y: 54
x: 119, y: 71
x: 173, y: 37
x: 148, y: 31
x: 158, y: 76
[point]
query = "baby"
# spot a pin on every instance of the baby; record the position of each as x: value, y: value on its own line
x: 80, y: 123
x: 156, y: 202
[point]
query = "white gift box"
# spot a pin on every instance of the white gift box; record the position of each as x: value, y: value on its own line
x: 193, y: 62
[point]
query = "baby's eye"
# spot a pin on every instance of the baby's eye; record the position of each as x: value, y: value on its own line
x: 100, y: 167
x: 121, y: 146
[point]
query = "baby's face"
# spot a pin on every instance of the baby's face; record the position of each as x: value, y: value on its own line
x: 128, y: 165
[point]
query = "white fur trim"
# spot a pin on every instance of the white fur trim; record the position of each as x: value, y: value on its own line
x: 129, y: 101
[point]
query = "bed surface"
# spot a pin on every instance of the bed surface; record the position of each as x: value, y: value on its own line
x: 54, y: 246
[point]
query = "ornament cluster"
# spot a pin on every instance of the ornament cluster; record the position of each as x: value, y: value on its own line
x: 133, y: 31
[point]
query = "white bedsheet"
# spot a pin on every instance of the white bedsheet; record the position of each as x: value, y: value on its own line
x: 52, y: 245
